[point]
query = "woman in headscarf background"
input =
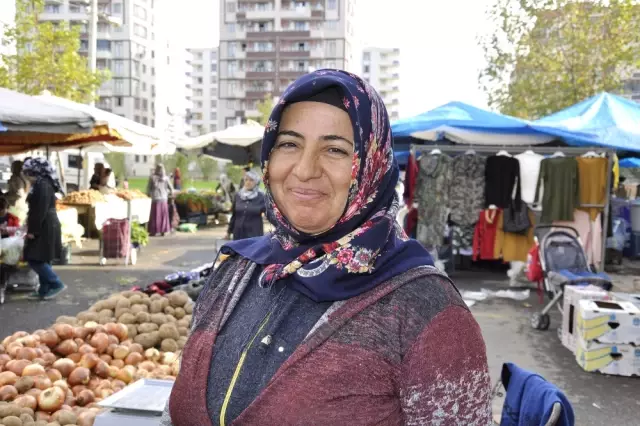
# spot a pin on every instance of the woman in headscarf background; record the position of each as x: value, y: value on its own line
x: 336, y: 318
x: 247, y: 209
x: 226, y: 188
x: 43, y: 243
x: 177, y: 179
x: 160, y: 190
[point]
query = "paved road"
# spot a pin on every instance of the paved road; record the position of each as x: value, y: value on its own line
x: 597, y: 399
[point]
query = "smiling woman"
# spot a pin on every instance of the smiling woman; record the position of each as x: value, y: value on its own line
x: 336, y: 318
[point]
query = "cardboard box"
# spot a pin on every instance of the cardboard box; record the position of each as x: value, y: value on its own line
x: 608, y: 322
x: 608, y: 358
x: 628, y: 297
x: 571, y: 297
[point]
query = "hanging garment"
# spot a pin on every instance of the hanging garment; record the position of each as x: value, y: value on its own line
x: 615, y: 171
x: 502, y: 175
x: 559, y: 175
x: 484, y: 236
x: 462, y: 238
x: 590, y: 234
x: 410, y: 177
x: 529, y: 170
x: 512, y: 247
x: 432, y: 194
x: 466, y: 195
x: 592, y: 174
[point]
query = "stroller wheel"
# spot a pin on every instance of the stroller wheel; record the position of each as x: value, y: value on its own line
x: 540, y: 321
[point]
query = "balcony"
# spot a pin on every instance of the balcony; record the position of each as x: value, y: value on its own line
x: 256, y: 14
x: 80, y: 2
x: 104, y: 54
x: 108, y: 18
x: 55, y: 2
x: 296, y: 13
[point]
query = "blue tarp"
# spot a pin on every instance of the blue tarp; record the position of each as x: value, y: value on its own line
x: 629, y: 163
x: 613, y: 122
x: 402, y: 157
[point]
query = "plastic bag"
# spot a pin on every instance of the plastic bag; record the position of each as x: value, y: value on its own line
x: 11, y: 249
x: 621, y: 236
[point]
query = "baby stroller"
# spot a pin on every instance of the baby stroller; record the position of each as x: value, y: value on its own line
x: 563, y: 262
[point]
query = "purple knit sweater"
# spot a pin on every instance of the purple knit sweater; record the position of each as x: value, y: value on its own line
x: 408, y: 352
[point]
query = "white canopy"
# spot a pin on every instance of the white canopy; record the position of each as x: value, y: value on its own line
x: 24, y: 113
x: 241, y: 135
x: 145, y: 140
x: 475, y: 137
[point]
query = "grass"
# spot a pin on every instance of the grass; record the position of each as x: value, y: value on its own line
x: 141, y: 184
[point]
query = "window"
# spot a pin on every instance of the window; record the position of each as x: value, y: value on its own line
x: 213, y: 115
x: 231, y: 50
x: 103, y: 45
x: 136, y: 69
x: 231, y: 104
x: 214, y: 79
x: 213, y: 128
x: 135, y: 86
x: 198, y: 55
x: 231, y: 67
x: 144, y: 86
x: 197, y: 116
x: 332, y: 48
x: 300, y: 26
x: 197, y: 68
x: 145, y: 121
x: 331, y: 25
x: 145, y: 105
x: 136, y: 103
x: 214, y: 103
x: 74, y: 161
x: 301, y: 66
x: 233, y: 88
x: 366, y: 68
x: 197, y: 92
x: 119, y: 101
x: 119, y: 88
x: 140, y: 12
x: 52, y: 8
x: 231, y: 27
x: 214, y: 91
x: 199, y: 80
x: 118, y: 68
x: 197, y: 104
x: 137, y: 158
x: 332, y: 4
x: 139, y: 30
x: 231, y: 7
x: 116, y: 8
x: 136, y: 118
x: 144, y: 69
x: 74, y: 9
x: 214, y: 55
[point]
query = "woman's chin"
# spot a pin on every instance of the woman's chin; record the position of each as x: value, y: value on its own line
x: 310, y: 225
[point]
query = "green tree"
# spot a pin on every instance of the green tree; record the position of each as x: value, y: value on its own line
x: 46, y: 57
x: 546, y: 55
x: 208, y: 166
x: 118, y: 165
x: 264, y: 108
x: 234, y: 173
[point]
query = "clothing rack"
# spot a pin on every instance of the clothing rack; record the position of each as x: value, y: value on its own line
x: 570, y: 151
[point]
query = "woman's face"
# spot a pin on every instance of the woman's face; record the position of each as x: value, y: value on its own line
x: 310, y: 165
x: 249, y: 184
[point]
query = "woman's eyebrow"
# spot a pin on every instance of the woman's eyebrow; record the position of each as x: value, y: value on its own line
x: 336, y: 138
x: 290, y: 133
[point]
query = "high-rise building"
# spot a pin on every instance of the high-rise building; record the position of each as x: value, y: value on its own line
x: 204, y: 84
x: 381, y: 68
x: 266, y: 44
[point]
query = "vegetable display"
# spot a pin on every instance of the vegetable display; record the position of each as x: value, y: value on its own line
x: 88, y: 197
x: 139, y: 234
x: 56, y: 376
x: 130, y: 194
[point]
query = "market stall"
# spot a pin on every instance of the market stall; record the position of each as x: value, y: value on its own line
x: 485, y: 206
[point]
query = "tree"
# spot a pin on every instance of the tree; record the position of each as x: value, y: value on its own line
x: 208, y: 166
x: 118, y: 165
x: 46, y: 57
x: 234, y: 173
x: 264, y: 108
x: 546, y: 55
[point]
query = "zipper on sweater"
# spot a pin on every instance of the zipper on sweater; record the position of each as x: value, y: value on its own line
x: 238, y: 370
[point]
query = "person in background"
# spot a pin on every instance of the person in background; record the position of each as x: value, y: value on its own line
x: 106, y: 182
x: 96, y: 179
x: 9, y: 223
x: 160, y: 190
x: 17, y: 184
x: 247, y: 210
x: 125, y: 183
x: 246, y: 170
x: 43, y: 242
x: 177, y: 179
x: 226, y: 188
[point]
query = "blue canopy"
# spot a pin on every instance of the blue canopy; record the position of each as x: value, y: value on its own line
x: 2, y: 128
x: 402, y: 157
x: 613, y: 121
x: 630, y: 163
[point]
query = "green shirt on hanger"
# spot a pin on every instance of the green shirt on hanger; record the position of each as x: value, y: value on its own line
x: 558, y: 180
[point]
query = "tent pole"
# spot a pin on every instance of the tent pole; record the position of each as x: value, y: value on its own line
x: 606, y: 212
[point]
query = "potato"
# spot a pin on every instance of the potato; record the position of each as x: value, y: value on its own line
x: 188, y: 308
x: 127, y: 318
x: 24, y: 417
x: 11, y: 421
x: 158, y: 319
x: 129, y: 293
x: 7, y: 410
x: 188, y: 318
x: 155, y: 296
x: 136, y: 309
x: 181, y: 342
x: 110, y: 303
x: 156, y: 307
x: 165, y: 302
x: 136, y: 299
x: 27, y: 410
x: 147, y: 340
x: 178, y: 298
x: 168, y: 331
x: 169, y: 310
x: 108, y: 313
x: 147, y: 327
x: 169, y: 345
x: 123, y: 303
x: 65, y: 319
x: 183, y: 331
x: 65, y: 417
x: 133, y: 330
x: 142, y: 317
x: 180, y: 313
x: 86, y: 316
x: 171, y: 319
x: 120, y: 311
x: 105, y: 320
x: 182, y: 323
x: 24, y: 384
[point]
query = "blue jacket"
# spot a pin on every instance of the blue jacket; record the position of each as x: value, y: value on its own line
x: 530, y: 399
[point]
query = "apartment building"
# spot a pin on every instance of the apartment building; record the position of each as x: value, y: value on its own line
x: 204, y: 88
x: 266, y: 44
x: 381, y: 68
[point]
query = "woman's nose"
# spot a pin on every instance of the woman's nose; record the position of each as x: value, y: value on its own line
x: 308, y: 166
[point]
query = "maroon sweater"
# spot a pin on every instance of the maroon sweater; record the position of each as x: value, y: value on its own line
x: 408, y: 352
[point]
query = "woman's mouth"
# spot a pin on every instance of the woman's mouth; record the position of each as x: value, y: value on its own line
x: 304, y: 194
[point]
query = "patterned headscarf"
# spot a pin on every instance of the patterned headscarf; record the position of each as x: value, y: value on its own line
x: 366, y: 246
x: 40, y: 168
x: 250, y: 194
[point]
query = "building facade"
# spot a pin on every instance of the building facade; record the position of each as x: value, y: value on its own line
x: 266, y: 44
x: 381, y: 68
x: 204, y: 89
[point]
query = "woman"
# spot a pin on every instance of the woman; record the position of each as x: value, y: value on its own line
x: 160, y: 190
x: 43, y: 242
x: 336, y: 318
x: 17, y: 184
x: 106, y: 183
x: 226, y: 188
x: 177, y: 179
x: 96, y: 179
x: 247, y: 209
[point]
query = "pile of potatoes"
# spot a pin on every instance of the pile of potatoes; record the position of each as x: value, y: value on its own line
x: 56, y: 377
x: 152, y: 321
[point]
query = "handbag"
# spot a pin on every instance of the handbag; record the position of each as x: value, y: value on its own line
x: 516, y: 219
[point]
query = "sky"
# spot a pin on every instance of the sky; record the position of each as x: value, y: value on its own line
x: 440, y: 56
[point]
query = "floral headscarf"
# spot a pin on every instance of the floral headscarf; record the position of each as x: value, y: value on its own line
x: 366, y: 246
x: 40, y: 168
x: 250, y: 194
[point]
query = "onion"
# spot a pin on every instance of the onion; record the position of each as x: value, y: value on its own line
x: 65, y: 366
x: 13, y: 348
x: 147, y: 365
x: 40, y: 361
x: 62, y: 384
x: 79, y: 376
x: 117, y: 363
x: 94, y: 381
x: 18, y: 334
x: 77, y: 389
x: 66, y: 347
x: 86, y: 349
x: 33, y: 370
x: 113, y: 340
x: 100, y: 341
x: 112, y: 347
x: 136, y: 347
x: 70, y: 400
x: 50, y: 338
x: 4, y: 358
x: 17, y: 365
x: 8, y: 393
x: 113, y: 371
x: 85, y: 397
x: 8, y: 378
x: 42, y: 382
x: 75, y: 357
x: 78, y: 341
x: 86, y: 418
x: 122, y: 332
x: 26, y: 401
x: 26, y: 353
x: 125, y: 375
x: 169, y: 358
x: 152, y: 354
x: 54, y: 375
x: 50, y: 400
x: 89, y: 360
x: 64, y: 331
x: 81, y: 332
x: 120, y: 352
x: 34, y: 392
x: 49, y: 358
x: 110, y: 328
x: 102, y: 369
x: 91, y: 325
x: 104, y: 393
x: 106, y: 358
x: 29, y: 341
x: 41, y: 415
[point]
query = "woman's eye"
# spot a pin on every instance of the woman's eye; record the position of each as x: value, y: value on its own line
x: 286, y: 145
x: 338, y: 151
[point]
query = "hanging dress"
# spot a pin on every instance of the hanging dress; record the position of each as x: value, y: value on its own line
x: 432, y: 194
